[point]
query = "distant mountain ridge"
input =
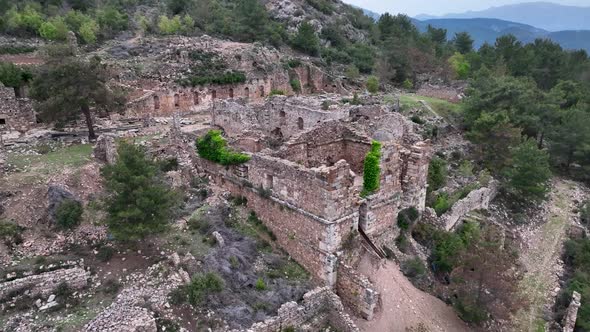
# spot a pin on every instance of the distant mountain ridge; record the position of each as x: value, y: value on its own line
x: 487, y: 30
x: 545, y: 15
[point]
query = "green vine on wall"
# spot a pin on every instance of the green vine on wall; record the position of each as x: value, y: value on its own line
x: 213, y: 147
x: 372, y: 170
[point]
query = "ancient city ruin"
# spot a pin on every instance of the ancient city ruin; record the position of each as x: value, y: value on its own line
x: 293, y: 236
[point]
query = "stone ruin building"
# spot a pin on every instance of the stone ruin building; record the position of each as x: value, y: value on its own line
x: 156, y: 92
x: 16, y: 112
x: 306, y: 175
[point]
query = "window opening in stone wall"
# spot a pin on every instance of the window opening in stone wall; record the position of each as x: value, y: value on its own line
x: 231, y: 93
x: 213, y: 94
x: 176, y: 100
x: 156, y: 102
x: 268, y: 181
x: 196, y: 98
x: 300, y: 123
x: 2, y: 122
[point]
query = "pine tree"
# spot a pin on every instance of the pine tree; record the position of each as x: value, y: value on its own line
x: 139, y: 203
x: 529, y: 173
x: 306, y: 40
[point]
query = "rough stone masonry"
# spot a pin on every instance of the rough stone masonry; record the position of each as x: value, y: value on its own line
x: 307, y: 189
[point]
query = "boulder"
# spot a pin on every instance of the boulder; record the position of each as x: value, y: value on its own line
x: 105, y: 150
x: 55, y: 196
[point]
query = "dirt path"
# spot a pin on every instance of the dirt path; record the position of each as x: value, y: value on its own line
x: 403, y: 305
x: 542, y: 253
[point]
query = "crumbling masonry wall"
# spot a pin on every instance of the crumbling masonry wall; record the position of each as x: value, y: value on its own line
x: 308, y: 193
x: 319, y: 308
x: 279, y: 117
x: 45, y: 283
x: 15, y: 113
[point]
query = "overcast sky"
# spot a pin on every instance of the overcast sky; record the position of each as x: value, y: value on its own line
x: 439, y: 7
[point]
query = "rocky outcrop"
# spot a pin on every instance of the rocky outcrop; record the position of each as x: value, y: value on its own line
x: 56, y: 195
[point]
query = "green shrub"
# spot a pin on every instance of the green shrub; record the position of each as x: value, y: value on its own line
x: 16, y: 49
x: 306, y: 40
x: 402, y: 243
x: 323, y: 6
x: 470, y: 313
x: 260, y: 285
x: 372, y: 169
x: 202, y: 285
x: 69, y: 214
x: 10, y: 232
x: 373, y: 84
x: 295, y: 85
x: 442, y: 204
x: 325, y: 105
x: 294, y: 63
x: 352, y: 72
x: 274, y: 92
x: 407, y: 217
x: 105, y: 253
x: 413, y: 268
x: 196, y: 223
x: 407, y: 84
x: 437, y: 174
x: 466, y: 168
x: 417, y: 119
x: 230, y: 77
x: 213, y: 147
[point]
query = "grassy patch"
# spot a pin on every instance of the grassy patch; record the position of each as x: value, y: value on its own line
x: 38, y: 167
x: 449, y: 111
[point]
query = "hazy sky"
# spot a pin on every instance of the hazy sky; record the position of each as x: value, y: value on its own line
x: 439, y: 7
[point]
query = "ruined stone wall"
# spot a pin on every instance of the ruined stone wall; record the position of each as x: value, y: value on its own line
x: 279, y: 117
x: 309, y: 239
x: 414, y: 176
x: 319, y: 308
x: 15, y: 113
x: 326, y: 192
x: 326, y: 145
x: 475, y: 200
x: 44, y: 284
x: 168, y: 99
x: 314, y: 80
x: 356, y: 291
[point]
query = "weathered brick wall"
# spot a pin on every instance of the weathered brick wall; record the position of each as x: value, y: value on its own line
x: 319, y: 303
x: 356, y: 291
x: 15, y: 113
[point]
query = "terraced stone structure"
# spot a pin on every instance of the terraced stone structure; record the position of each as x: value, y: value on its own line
x: 308, y: 189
